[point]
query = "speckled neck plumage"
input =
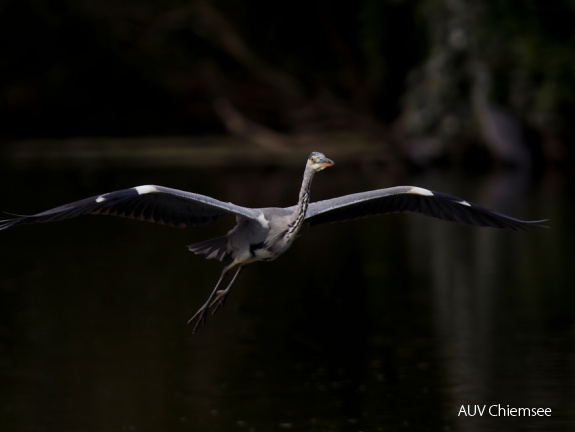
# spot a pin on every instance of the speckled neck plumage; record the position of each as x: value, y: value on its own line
x: 298, y: 216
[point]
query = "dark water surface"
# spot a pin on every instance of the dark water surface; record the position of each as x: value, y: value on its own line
x: 383, y: 324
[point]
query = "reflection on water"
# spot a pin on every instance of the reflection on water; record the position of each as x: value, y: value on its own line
x: 384, y: 324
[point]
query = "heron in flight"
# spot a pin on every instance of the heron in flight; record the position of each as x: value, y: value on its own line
x: 263, y: 234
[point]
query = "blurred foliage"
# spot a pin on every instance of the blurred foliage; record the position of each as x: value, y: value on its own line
x: 425, y: 73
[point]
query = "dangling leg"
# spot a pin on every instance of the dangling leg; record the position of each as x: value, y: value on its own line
x: 202, y: 312
x: 222, y: 294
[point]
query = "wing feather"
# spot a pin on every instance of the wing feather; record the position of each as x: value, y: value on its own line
x: 156, y: 204
x: 410, y: 199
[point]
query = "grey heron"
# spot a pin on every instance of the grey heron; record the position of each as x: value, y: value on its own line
x: 263, y: 234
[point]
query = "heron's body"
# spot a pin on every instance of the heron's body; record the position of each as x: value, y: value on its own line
x: 263, y: 234
x: 251, y: 239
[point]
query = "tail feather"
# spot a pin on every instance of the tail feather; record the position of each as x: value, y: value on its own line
x: 214, y: 248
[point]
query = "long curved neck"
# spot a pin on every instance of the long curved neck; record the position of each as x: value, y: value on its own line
x: 296, y: 220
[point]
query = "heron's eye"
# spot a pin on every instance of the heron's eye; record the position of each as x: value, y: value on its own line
x: 313, y: 159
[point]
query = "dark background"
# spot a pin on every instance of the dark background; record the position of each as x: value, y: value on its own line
x: 381, y: 324
x: 426, y: 80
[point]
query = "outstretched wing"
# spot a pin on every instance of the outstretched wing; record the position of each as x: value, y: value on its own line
x: 149, y: 203
x: 409, y: 199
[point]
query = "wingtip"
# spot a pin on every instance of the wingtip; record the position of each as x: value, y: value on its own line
x: 538, y: 224
x: 7, y: 223
x: 530, y: 226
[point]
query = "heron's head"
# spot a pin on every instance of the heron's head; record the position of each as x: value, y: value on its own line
x: 317, y: 161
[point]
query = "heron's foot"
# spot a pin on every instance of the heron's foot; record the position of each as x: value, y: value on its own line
x: 202, y: 314
x: 220, y: 300
x: 200, y: 317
